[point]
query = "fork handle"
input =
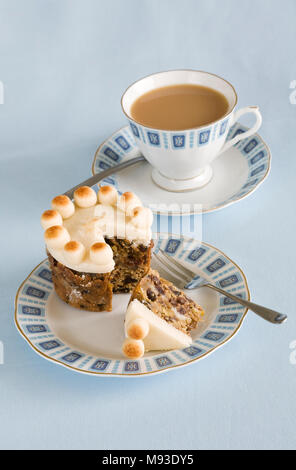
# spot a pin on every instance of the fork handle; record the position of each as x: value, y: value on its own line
x: 103, y: 174
x: 266, y: 313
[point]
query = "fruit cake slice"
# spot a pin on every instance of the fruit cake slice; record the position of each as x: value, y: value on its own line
x: 159, y: 317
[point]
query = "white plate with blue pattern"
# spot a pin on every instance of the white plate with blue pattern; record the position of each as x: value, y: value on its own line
x: 236, y: 174
x: 90, y: 342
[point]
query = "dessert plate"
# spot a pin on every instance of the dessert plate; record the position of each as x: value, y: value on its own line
x: 90, y: 342
x: 236, y: 174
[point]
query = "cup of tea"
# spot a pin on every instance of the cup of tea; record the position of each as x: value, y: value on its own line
x: 180, y: 120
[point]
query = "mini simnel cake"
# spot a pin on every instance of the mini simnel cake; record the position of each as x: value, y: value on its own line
x: 159, y: 317
x: 98, y: 244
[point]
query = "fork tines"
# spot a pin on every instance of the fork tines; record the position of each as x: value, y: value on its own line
x: 174, y: 268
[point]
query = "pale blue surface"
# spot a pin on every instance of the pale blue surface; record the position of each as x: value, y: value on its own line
x: 64, y: 65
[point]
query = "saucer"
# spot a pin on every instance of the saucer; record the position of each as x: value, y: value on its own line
x: 236, y: 174
x: 90, y: 342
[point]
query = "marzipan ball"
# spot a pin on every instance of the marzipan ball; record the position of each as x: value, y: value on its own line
x: 56, y: 236
x: 107, y: 195
x: 85, y: 197
x: 137, y: 328
x: 100, y: 253
x: 50, y: 218
x: 74, y: 252
x: 128, y: 201
x: 142, y: 217
x: 63, y: 205
x: 133, y: 348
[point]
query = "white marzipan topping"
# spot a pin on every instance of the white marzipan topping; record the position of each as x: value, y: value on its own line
x: 75, y: 233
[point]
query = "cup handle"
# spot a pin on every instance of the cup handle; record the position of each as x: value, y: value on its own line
x: 251, y: 131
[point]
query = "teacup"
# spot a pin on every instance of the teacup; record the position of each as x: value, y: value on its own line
x: 181, y: 160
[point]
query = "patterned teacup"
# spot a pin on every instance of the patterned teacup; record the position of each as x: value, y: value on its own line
x: 181, y: 159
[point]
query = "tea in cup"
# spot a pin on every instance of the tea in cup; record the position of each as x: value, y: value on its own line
x: 180, y: 120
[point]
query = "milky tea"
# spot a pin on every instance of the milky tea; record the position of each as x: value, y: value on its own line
x: 179, y: 107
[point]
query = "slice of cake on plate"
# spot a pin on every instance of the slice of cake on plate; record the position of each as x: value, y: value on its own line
x: 98, y: 244
x: 159, y: 317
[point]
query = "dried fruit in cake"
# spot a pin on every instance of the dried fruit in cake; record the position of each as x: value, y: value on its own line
x: 160, y: 316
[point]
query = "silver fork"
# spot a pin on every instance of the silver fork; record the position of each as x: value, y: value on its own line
x: 183, y: 277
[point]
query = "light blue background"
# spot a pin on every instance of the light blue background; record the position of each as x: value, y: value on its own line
x: 64, y: 65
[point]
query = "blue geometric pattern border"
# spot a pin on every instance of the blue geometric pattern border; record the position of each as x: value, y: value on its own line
x: 32, y: 322
x: 180, y: 140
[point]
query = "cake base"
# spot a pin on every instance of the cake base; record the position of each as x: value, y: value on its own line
x: 86, y: 291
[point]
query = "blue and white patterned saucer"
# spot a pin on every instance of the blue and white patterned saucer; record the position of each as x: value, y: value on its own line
x: 90, y: 342
x: 236, y: 174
